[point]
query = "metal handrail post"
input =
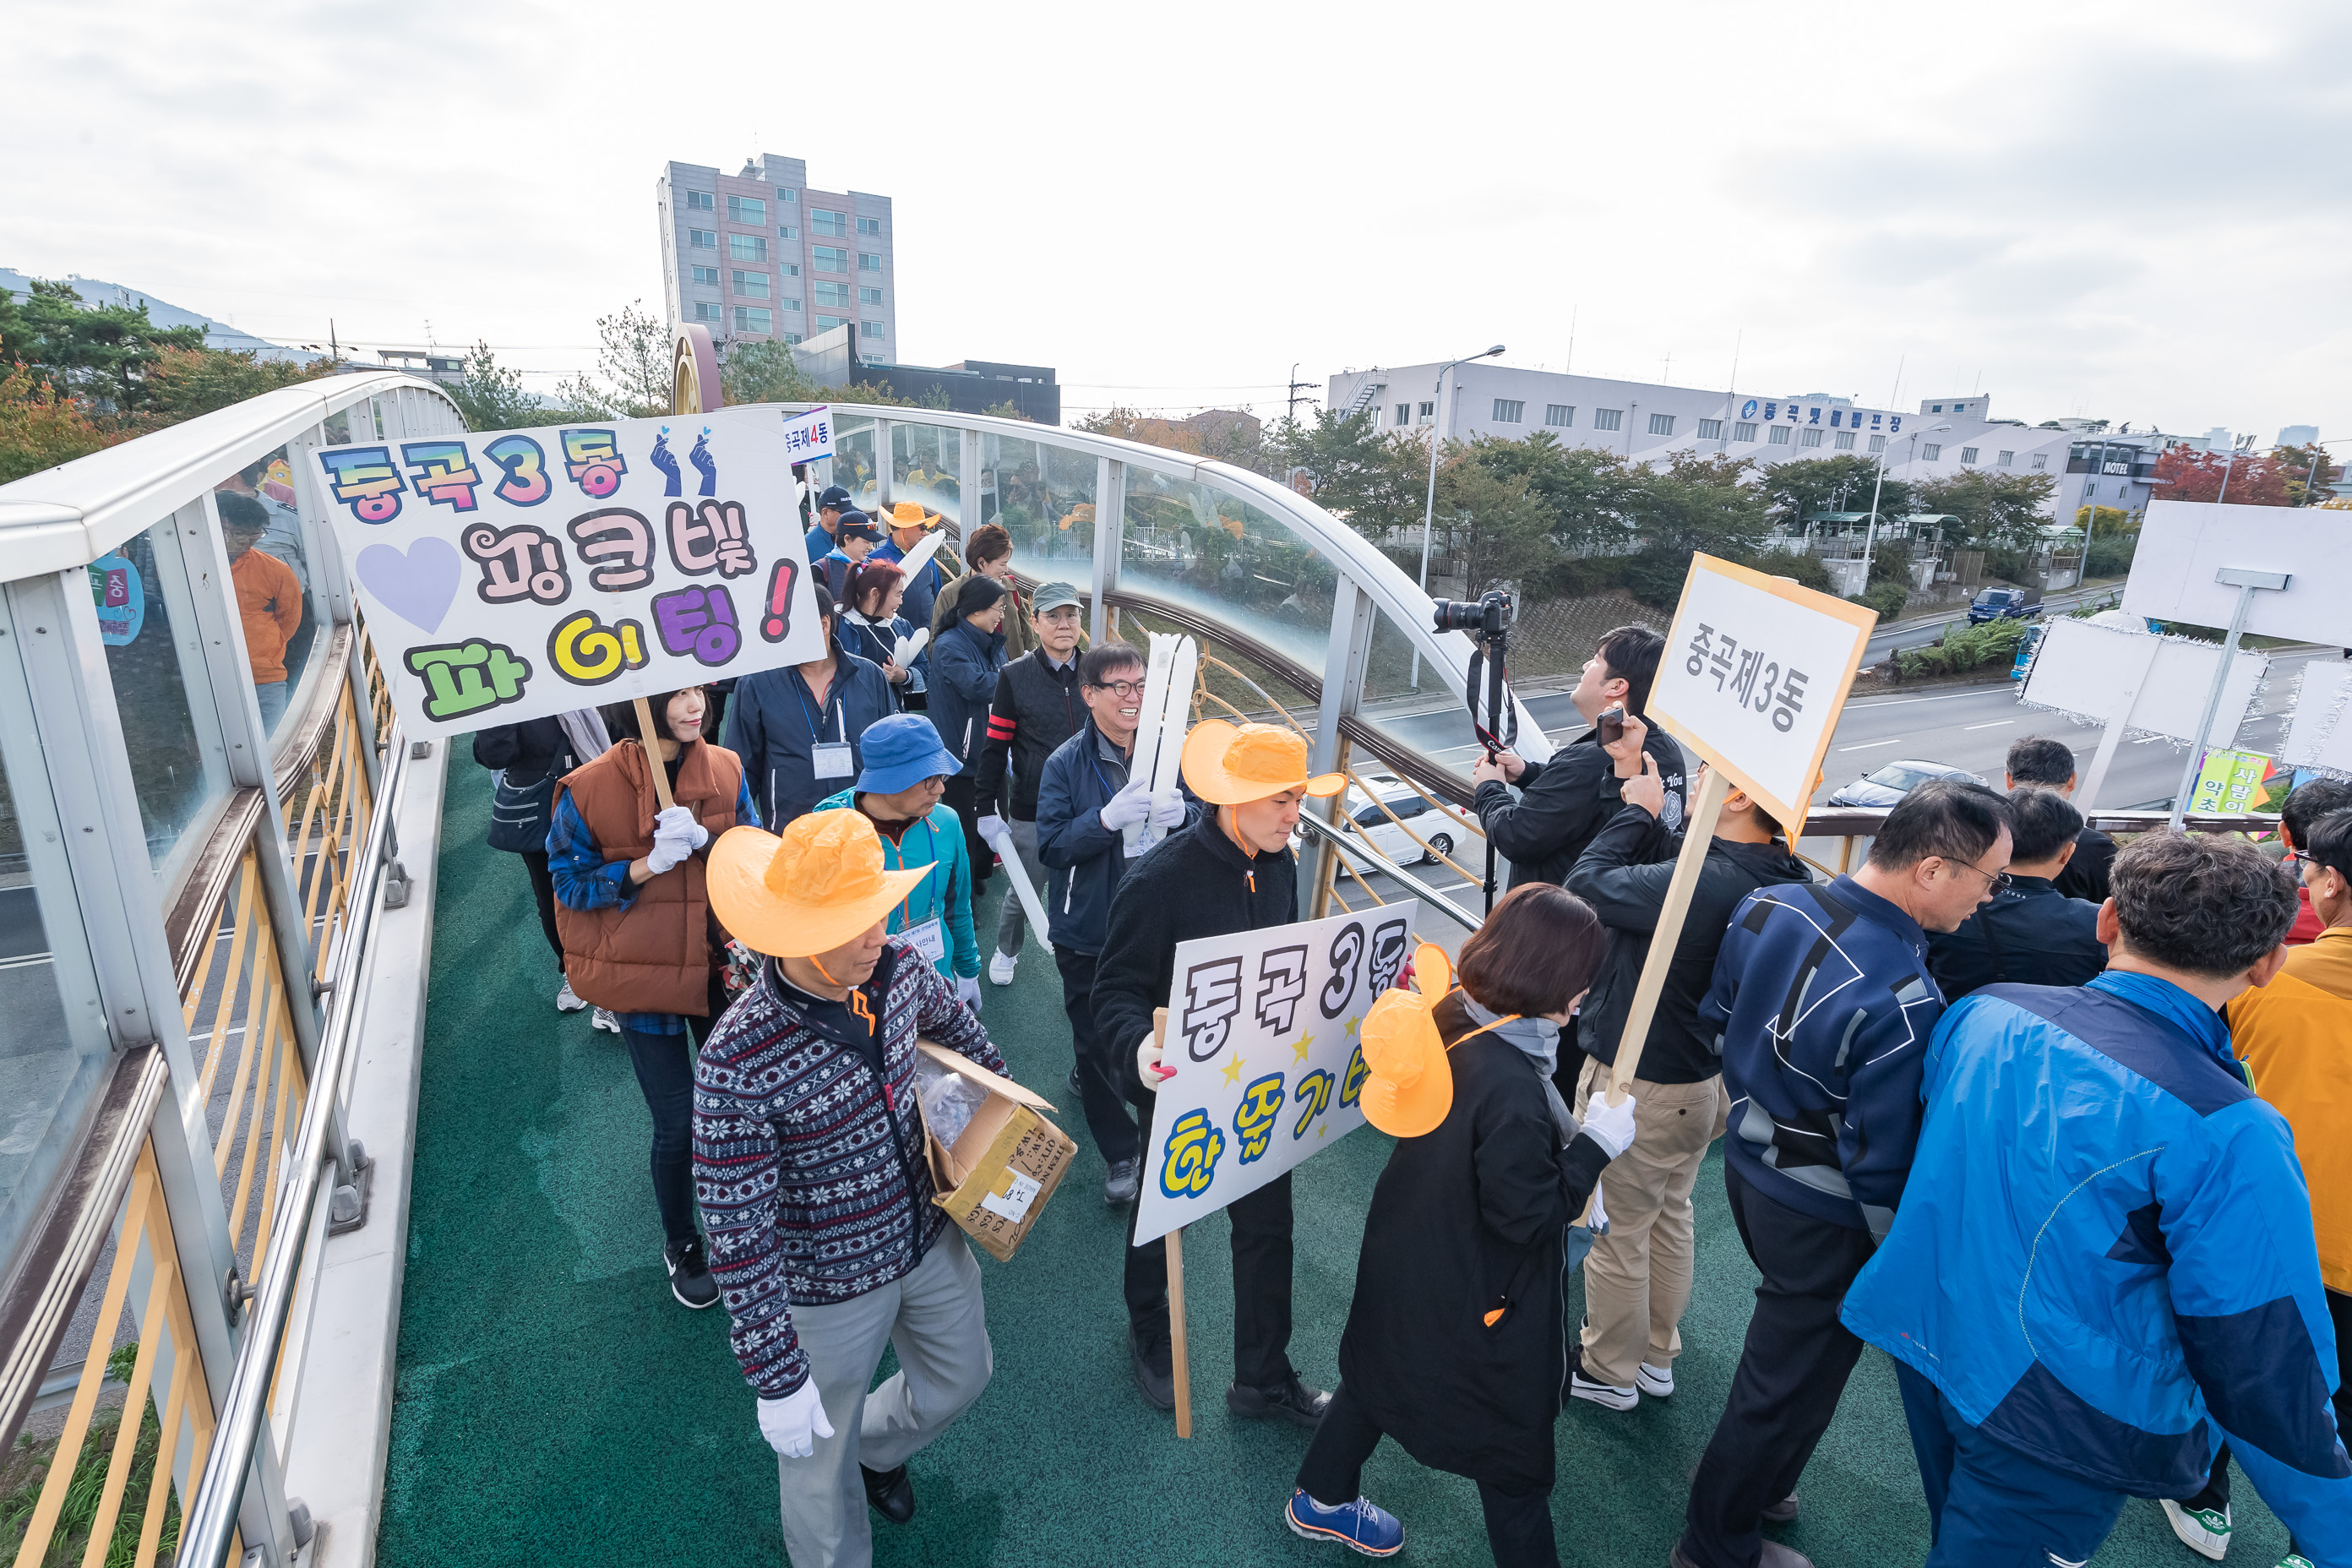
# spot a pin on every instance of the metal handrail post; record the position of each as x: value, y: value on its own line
x: 211, y: 1516
x: 1420, y: 889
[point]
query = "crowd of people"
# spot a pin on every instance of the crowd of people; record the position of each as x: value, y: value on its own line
x: 2060, y: 1126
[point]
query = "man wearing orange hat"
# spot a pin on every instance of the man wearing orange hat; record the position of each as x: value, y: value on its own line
x: 908, y: 523
x: 1231, y: 870
x: 809, y: 1165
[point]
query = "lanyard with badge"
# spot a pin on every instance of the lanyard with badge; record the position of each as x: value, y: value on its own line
x: 931, y: 937
x: 831, y: 758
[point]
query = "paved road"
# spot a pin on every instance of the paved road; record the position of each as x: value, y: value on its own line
x: 1919, y: 634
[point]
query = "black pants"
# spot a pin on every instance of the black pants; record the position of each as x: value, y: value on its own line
x: 1261, y: 1242
x: 543, y: 888
x: 959, y: 794
x: 1099, y: 1094
x: 1792, y: 1372
x: 665, y: 1068
x: 1518, y: 1523
x: 2216, y: 1495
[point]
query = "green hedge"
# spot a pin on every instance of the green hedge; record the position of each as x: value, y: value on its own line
x: 1973, y: 647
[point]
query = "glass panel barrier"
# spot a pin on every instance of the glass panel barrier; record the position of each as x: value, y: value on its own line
x: 279, y: 634
x: 147, y: 619
x: 853, y: 461
x: 926, y: 465
x: 1043, y: 496
x: 1427, y: 719
x: 1221, y: 557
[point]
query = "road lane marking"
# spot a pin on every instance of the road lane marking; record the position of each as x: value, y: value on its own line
x: 1866, y: 745
x: 1988, y: 724
x: 1899, y: 702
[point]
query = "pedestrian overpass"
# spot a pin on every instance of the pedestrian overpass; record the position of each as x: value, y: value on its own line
x: 318, y: 1228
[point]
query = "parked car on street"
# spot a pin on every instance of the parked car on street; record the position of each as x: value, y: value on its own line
x: 2005, y: 605
x: 1440, y: 827
x: 1892, y: 782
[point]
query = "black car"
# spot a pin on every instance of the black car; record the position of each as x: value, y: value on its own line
x: 1897, y: 779
x: 2005, y: 605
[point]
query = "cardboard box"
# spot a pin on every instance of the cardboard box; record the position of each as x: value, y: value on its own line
x: 994, y: 1182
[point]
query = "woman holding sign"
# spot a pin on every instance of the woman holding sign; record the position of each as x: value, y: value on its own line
x: 638, y: 934
x: 1455, y: 1345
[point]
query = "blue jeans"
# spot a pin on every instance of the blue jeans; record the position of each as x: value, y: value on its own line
x: 1991, y: 1506
x: 271, y: 695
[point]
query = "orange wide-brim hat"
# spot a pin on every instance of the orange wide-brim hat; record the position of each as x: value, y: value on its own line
x: 907, y: 515
x: 813, y: 889
x: 1411, y: 1085
x: 1230, y: 765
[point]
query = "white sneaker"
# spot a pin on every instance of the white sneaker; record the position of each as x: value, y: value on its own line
x: 603, y: 1019
x: 567, y: 1000
x: 1657, y: 1381
x: 2202, y: 1531
x: 1608, y: 1395
x: 1000, y: 968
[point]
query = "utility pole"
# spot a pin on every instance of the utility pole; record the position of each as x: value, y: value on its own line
x: 1295, y: 398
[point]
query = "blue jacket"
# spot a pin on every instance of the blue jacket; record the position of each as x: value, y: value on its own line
x: 923, y: 588
x: 2110, y: 1241
x: 2030, y: 934
x: 1824, y: 1004
x: 1084, y: 860
x: 964, y: 663
x: 774, y: 724
x: 868, y: 640
x: 818, y: 542
x: 936, y: 842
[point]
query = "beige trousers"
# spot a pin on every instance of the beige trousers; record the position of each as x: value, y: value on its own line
x: 1637, y: 1279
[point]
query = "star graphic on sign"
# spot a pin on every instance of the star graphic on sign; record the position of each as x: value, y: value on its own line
x: 1351, y: 1026
x: 1233, y: 1070
x: 1320, y: 1130
x: 1304, y: 1041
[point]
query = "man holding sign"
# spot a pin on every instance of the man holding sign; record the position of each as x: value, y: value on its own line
x: 1229, y: 870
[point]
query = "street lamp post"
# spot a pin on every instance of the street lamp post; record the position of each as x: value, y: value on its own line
x: 1870, y: 536
x: 1429, y: 508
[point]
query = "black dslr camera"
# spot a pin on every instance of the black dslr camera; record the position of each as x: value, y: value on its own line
x: 1489, y: 617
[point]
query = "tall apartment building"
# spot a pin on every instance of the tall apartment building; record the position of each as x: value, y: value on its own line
x: 759, y: 255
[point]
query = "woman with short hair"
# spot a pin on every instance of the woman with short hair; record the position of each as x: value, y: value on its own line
x: 1454, y: 1343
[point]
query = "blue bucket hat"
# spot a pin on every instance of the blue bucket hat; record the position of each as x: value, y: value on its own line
x: 902, y: 751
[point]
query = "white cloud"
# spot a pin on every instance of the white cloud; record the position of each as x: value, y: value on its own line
x: 2126, y: 210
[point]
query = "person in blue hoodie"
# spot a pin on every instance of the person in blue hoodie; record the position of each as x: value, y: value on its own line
x: 1823, y: 1003
x: 2106, y: 1264
x: 965, y: 658
x: 906, y: 772
x: 1085, y: 800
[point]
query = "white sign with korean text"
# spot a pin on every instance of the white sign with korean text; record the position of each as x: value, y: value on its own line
x: 808, y: 437
x: 1754, y: 675
x: 1262, y: 1031
x: 515, y: 575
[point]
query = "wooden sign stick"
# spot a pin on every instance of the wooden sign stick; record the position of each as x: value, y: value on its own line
x: 1698, y: 832
x: 1178, y: 1358
x: 646, y: 733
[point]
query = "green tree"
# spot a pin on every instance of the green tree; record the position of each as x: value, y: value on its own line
x: 183, y: 382
x: 2308, y: 472
x: 1807, y: 485
x: 766, y: 372
x: 1375, y: 481
x: 632, y: 368
x: 491, y: 396
x: 1591, y: 496
x: 41, y: 427
x: 1497, y: 530
x: 102, y: 353
x: 1997, y: 510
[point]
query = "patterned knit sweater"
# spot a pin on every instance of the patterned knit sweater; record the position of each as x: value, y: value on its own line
x: 810, y: 1171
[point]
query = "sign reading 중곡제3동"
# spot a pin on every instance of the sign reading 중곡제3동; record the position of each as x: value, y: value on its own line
x: 1263, y: 1033
x: 518, y: 573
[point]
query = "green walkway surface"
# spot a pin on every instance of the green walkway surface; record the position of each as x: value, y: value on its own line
x: 556, y: 1405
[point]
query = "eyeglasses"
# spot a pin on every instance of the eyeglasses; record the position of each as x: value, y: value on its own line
x: 2299, y: 856
x: 1997, y: 880
x: 1122, y: 690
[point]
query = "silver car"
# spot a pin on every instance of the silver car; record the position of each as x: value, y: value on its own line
x: 1892, y: 782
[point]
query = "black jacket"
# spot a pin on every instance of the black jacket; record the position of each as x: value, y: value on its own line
x: 1564, y: 801
x: 528, y: 751
x: 1036, y: 707
x: 1622, y: 874
x: 1195, y: 882
x: 2085, y: 876
x: 2030, y: 935
x: 1469, y: 1219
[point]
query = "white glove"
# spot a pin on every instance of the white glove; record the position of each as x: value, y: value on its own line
x: 1129, y: 807
x: 1611, y: 1126
x: 1167, y: 808
x: 792, y: 1424
x: 1147, y: 1058
x: 1598, y: 1220
x: 992, y: 832
x: 680, y: 822
x: 968, y: 991
x: 669, y: 848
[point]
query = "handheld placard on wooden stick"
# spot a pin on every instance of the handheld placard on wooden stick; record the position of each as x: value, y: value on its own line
x: 647, y: 738
x: 1178, y: 1360
x: 1698, y: 832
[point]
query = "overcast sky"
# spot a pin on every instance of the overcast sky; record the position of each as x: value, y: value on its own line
x: 2132, y: 211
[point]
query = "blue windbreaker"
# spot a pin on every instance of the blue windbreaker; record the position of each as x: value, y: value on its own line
x: 1824, y: 1004
x: 937, y: 841
x: 2108, y: 1241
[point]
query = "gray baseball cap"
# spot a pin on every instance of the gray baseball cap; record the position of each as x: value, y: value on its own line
x: 1051, y: 597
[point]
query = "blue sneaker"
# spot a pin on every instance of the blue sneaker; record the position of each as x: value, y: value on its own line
x: 1361, y: 1524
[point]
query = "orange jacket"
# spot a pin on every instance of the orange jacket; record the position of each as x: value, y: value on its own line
x: 2295, y: 1033
x: 269, y: 603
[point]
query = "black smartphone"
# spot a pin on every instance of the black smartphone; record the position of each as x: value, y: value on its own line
x: 1611, y: 724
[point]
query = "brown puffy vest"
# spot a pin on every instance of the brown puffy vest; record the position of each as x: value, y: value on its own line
x: 654, y: 954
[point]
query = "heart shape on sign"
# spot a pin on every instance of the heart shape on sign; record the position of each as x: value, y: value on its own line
x: 416, y: 586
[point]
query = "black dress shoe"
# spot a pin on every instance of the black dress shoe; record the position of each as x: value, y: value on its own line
x: 1781, y: 1512
x: 1154, y: 1360
x: 890, y: 1492
x: 1075, y: 1092
x: 1293, y: 1402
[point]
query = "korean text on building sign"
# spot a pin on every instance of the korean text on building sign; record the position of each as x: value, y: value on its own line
x: 1755, y: 674
x: 521, y: 574
x: 1262, y: 1031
